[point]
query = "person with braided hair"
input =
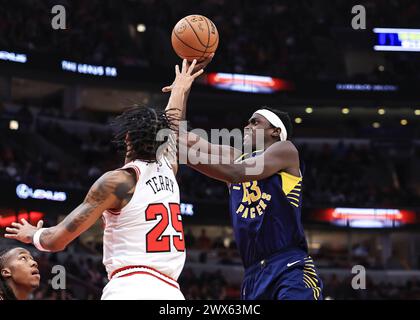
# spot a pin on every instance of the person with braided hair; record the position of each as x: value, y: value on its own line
x: 19, y: 274
x: 144, y: 247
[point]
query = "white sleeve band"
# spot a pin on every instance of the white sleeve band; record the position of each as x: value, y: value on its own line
x: 275, y: 121
x: 36, y: 240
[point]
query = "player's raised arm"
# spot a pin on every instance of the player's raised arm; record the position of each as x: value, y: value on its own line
x: 181, y: 87
x: 110, y: 191
x: 279, y: 156
x: 177, y: 104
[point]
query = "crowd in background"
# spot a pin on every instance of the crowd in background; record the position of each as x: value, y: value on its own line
x: 334, y: 175
x: 300, y: 39
x: 86, y: 277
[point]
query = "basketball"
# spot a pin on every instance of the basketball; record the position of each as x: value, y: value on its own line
x: 195, y: 37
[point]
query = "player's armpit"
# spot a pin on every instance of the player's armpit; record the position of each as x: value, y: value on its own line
x: 111, y: 191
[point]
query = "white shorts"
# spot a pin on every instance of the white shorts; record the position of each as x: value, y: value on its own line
x: 141, y: 284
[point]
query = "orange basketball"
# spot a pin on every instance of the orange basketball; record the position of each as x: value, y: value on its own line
x: 195, y: 37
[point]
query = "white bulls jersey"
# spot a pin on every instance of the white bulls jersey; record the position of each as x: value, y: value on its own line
x: 146, y: 236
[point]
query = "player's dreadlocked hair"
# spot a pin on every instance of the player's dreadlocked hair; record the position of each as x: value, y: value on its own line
x: 5, y: 292
x: 142, y: 125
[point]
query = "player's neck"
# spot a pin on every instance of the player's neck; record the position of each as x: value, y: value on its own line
x: 128, y: 157
x: 267, y: 144
x: 20, y: 292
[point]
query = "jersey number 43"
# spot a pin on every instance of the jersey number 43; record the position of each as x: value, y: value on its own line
x: 155, y: 241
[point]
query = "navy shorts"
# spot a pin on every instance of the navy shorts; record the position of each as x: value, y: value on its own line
x: 289, y: 275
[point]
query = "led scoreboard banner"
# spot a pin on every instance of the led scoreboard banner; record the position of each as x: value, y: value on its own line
x: 365, y: 217
x: 393, y: 39
x: 248, y: 83
x: 37, y: 65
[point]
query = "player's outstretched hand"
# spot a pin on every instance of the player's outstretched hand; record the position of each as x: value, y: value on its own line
x: 203, y: 64
x: 23, y: 232
x: 185, y: 77
x: 195, y: 69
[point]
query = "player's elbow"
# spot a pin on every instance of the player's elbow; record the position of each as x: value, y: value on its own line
x: 57, y: 247
x: 234, y: 176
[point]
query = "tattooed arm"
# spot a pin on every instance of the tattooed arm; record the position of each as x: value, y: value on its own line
x: 111, y: 191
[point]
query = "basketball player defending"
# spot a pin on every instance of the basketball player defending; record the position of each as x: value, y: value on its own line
x: 144, y: 249
x: 265, y: 208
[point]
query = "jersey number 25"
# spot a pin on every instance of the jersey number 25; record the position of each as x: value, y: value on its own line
x: 155, y: 242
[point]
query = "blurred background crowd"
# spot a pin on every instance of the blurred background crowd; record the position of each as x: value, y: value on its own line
x: 360, y: 150
x: 303, y: 39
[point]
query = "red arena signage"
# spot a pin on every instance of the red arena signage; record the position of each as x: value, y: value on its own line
x: 365, y: 217
x: 248, y: 83
x: 7, y: 217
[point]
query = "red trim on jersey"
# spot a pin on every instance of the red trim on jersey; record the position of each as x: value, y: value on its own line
x: 150, y: 274
x: 114, y: 212
x: 132, y: 267
x: 136, y: 169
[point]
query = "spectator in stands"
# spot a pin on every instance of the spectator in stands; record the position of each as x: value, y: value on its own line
x: 204, y: 242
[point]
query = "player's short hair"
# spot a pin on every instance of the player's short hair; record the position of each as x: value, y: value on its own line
x: 142, y: 125
x: 6, y: 292
x: 285, y: 118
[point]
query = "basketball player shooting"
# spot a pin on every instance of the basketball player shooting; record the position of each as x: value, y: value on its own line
x: 144, y: 249
x: 265, y: 207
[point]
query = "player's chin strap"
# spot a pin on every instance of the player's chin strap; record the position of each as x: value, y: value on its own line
x: 37, y: 242
x: 275, y: 121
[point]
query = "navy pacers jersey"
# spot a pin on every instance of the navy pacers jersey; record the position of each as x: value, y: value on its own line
x: 266, y: 215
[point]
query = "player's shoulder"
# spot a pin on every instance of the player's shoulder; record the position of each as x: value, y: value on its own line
x: 119, y: 176
x: 285, y: 146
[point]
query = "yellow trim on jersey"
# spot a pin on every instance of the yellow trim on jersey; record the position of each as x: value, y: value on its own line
x: 310, y: 278
x: 289, y: 182
x: 318, y: 292
x: 315, y: 289
x: 241, y: 157
x: 294, y: 193
x: 311, y: 281
x: 312, y: 273
x: 293, y: 198
x: 307, y: 284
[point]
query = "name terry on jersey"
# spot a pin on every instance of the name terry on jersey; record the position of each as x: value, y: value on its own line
x: 161, y: 183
